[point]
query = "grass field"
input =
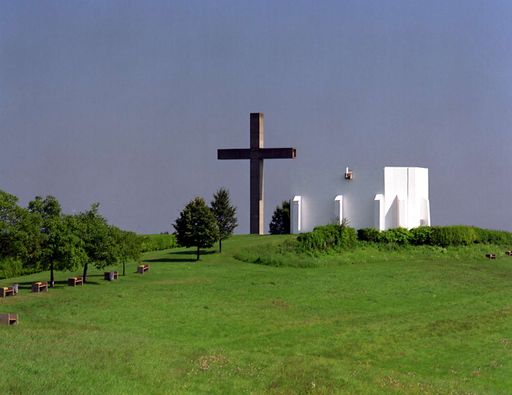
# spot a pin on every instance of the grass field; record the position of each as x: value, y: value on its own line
x: 421, y: 320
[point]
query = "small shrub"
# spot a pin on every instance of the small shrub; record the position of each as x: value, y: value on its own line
x: 368, y: 234
x: 327, y: 237
x: 421, y: 235
x: 459, y: 235
x: 400, y: 236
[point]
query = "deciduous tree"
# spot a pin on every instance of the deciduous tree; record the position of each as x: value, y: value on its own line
x: 96, y: 239
x: 56, y: 241
x: 19, y: 230
x: 128, y: 245
x: 196, y: 226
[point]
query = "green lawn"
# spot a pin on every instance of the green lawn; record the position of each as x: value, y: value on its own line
x: 375, y: 321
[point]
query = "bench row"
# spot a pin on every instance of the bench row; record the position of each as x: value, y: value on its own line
x: 42, y: 286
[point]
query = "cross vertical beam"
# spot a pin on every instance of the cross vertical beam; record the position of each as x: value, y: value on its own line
x: 256, y: 154
x: 257, y: 208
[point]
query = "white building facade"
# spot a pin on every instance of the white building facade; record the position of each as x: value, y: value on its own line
x: 380, y: 198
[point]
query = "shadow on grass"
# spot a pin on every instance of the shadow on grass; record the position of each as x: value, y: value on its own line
x: 58, y: 284
x: 170, y: 260
x: 178, y: 256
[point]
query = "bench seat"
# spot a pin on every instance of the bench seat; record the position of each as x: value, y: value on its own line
x: 7, y: 291
x: 40, y: 286
x: 8, y: 319
x: 142, y: 268
x: 74, y: 281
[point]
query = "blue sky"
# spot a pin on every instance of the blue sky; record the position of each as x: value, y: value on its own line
x: 125, y: 102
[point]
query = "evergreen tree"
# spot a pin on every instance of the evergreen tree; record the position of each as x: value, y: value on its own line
x: 225, y: 214
x: 196, y: 226
x: 280, y: 223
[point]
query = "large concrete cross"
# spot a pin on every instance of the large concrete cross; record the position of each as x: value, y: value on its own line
x: 256, y: 153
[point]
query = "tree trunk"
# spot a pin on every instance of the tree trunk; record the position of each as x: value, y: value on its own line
x: 84, y: 277
x: 52, y: 276
x: 220, y: 245
x: 197, y: 253
x: 124, y: 268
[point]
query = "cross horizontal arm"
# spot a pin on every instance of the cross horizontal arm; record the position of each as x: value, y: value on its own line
x: 277, y: 153
x: 234, y: 153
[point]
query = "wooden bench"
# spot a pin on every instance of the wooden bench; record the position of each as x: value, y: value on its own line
x: 509, y: 253
x: 142, y: 268
x: 7, y: 291
x: 40, y: 286
x: 490, y: 256
x: 74, y: 281
x: 8, y: 319
x: 109, y: 276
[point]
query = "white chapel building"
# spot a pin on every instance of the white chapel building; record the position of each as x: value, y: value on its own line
x: 380, y: 198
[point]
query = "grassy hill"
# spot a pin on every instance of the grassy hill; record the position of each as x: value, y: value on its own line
x: 418, y: 320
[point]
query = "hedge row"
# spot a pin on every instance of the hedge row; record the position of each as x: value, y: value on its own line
x: 158, y: 242
x: 442, y: 236
x: 327, y: 237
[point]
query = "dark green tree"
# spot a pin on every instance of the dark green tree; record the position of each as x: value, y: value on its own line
x: 280, y: 223
x: 196, y: 226
x: 225, y: 214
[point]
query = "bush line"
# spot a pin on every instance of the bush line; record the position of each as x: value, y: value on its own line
x: 441, y: 236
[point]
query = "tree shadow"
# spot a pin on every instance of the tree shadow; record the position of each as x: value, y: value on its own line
x: 171, y: 260
x: 193, y: 252
x: 57, y: 284
x: 178, y: 256
x: 25, y: 284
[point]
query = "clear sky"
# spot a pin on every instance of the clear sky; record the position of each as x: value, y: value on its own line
x: 125, y: 102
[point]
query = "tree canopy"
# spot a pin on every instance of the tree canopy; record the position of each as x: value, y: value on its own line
x: 19, y: 231
x: 41, y: 237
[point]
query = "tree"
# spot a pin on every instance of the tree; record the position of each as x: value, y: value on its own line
x: 196, y: 226
x: 128, y: 245
x: 280, y: 223
x: 96, y: 239
x: 55, y: 246
x: 225, y: 214
x: 19, y: 230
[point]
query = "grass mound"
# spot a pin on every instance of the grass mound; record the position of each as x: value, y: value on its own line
x: 283, y: 254
x: 374, y: 319
x: 302, y: 251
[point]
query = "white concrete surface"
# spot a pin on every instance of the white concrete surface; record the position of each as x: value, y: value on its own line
x: 380, y: 198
